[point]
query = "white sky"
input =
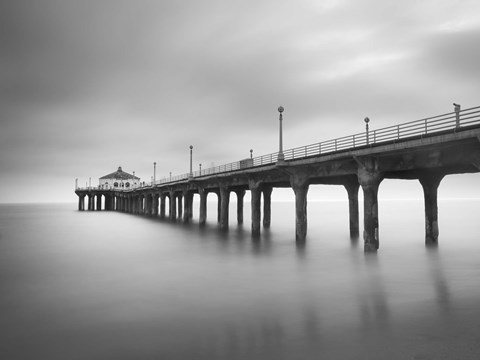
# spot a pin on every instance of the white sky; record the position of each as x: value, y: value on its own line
x: 87, y: 86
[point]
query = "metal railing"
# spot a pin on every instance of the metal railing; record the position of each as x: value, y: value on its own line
x: 445, y: 123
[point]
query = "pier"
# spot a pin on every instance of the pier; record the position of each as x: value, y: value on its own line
x: 426, y: 150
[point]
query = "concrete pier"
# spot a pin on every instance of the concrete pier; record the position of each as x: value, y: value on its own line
x: 300, y: 185
x: 423, y: 156
x: 352, y: 187
x: 224, y: 207
x: 173, y: 206
x: 430, y: 183
x: 256, y: 193
x: 81, y: 202
x: 203, y: 206
x: 267, y: 206
x: 240, y: 197
x: 162, y: 206
x: 370, y: 178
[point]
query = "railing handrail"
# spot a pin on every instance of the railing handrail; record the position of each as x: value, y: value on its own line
x: 430, y: 125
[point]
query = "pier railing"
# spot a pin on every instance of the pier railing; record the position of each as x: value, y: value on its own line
x: 449, y: 122
x: 445, y: 123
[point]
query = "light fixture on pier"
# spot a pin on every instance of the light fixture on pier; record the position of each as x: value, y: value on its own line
x: 190, y: 175
x: 367, y: 120
x: 200, y: 166
x: 280, y: 157
x: 154, y: 172
x: 251, y: 153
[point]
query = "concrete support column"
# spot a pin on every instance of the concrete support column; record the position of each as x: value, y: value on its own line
x: 430, y: 183
x: 224, y: 207
x: 180, y: 206
x: 173, y: 206
x: 370, y: 179
x: 203, y: 206
x: 189, y: 200
x: 127, y: 203
x: 90, y: 203
x: 134, y: 203
x: 187, y: 206
x: 162, y: 206
x: 148, y: 204
x: 155, y: 205
x: 219, y: 205
x: 81, y: 203
x: 141, y: 205
x: 99, y: 202
x: 300, y: 185
x: 240, y: 196
x: 267, y: 206
x: 256, y: 194
x: 352, y: 191
x: 131, y: 204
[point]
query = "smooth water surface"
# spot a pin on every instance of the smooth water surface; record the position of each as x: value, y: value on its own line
x: 107, y: 285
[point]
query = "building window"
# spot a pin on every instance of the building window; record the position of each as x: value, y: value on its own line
x: 115, y: 184
x: 127, y: 184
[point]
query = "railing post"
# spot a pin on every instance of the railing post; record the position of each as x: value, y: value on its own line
x: 457, y: 115
x: 398, y: 132
x: 374, y: 136
x: 426, y: 127
x: 353, y: 140
x: 319, y: 148
x: 335, y: 144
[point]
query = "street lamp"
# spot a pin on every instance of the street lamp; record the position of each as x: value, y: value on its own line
x: 190, y: 175
x: 367, y: 120
x: 251, y: 153
x: 154, y: 172
x: 170, y: 176
x: 280, y: 157
x: 200, y: 166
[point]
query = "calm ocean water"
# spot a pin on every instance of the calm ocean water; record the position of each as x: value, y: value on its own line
x: 107, y: 285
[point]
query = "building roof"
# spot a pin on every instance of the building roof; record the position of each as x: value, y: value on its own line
x: 120, y: 175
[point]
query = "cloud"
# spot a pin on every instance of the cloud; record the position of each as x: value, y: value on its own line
x: 86, y: 87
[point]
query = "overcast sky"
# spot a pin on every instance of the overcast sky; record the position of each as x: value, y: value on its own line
x: 87, y: 86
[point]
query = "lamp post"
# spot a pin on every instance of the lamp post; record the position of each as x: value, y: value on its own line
x: 280, y: 157
x: 367, y: 120
x: 190, y: 175
x: 170, y: 176
x: 200, y: 166
x: 76, y: 183
x: 134, y: 181
x: 154, y: 172
x: 89, y: 183
x: 251, y: 153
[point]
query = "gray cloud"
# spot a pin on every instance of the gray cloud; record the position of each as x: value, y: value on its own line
x: 88, y: 86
